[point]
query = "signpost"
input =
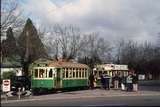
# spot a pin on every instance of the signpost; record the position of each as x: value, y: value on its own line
x: 6, y: 85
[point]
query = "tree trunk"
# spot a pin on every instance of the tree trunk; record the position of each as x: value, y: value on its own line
x: 26, y: 68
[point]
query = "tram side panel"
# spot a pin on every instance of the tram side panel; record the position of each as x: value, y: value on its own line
x: 43, y: 79
x: 75, y: 77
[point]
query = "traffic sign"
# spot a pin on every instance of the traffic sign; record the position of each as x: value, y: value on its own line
x: 6, y: 85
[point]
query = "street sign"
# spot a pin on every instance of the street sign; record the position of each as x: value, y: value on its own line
x: 6, y: 85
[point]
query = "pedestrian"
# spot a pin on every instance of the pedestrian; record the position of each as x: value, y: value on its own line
x: 106, y: 82
x: 91, y: 79
x: 123, y: 83
x: 116, y: 81
x: 135, y: 82
x: 94, y: 81
x: 129, y: 82
x: 102, y: 80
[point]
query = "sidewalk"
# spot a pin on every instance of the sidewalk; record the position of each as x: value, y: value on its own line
x: 84, y: 94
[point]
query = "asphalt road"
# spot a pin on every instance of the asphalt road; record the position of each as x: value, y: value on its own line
x: 148, y: 95
x: 101, y: 101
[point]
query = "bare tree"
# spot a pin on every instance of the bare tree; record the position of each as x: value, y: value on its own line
x: 65, y: 42
x: 95, y: 51
x: 119, y: 46
x: 10, y: 16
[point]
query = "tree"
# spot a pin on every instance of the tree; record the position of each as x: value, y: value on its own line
x: 31, y: 47
x: 96, y: 50
x: 10, y: 16
x: 9, y: 46
x: 66, y: 42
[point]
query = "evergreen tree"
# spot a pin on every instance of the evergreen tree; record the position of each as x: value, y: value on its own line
x: 9, y: 47
x: 31, y: 46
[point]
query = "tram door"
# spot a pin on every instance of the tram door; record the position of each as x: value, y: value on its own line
x: 58, y: 78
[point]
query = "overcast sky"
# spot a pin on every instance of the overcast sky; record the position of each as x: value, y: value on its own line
x: 138, y: 20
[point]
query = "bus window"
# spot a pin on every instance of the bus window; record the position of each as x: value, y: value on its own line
x: 50, y: 73
x: 36, y: 73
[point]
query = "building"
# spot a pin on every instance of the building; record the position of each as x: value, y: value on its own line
x: 17, y: 69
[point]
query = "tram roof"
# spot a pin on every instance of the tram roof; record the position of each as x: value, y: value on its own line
x: 67, y: 64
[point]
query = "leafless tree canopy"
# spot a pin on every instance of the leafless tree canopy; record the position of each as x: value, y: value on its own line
x: 143, y: 57
x: 10, y: 16
x: 66, y: 41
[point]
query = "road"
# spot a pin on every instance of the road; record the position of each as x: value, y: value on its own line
x: 146, y: 96
x: 96, y: 101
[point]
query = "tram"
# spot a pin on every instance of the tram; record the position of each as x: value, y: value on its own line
x: 111, y: 70
x: 57, y: 75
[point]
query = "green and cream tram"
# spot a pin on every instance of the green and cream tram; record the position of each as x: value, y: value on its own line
x: 54, y: 75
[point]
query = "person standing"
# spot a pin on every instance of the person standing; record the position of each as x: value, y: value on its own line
x: 91, y: 78
x: 116, y: 81
x: 123, y: 83
x: 102, y: 80
x: 94, y: 81
x: 129, y: 82
x: 135, y: 82
x: 106, y: 82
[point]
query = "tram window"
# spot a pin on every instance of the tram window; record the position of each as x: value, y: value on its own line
x: 46, y: 73
x: 80, y: 74
x: 42, y: 73
x: 77, y: 74
x: 50, y: 73
x: 95, y: 72
x: 70, y: 74
x: 63, y: 74
x: 73, y: 74
x: 66, y: 74
x: 85, y: 73
x: 100, y: 73
x: 105, y: 72
x: 36, y: 73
